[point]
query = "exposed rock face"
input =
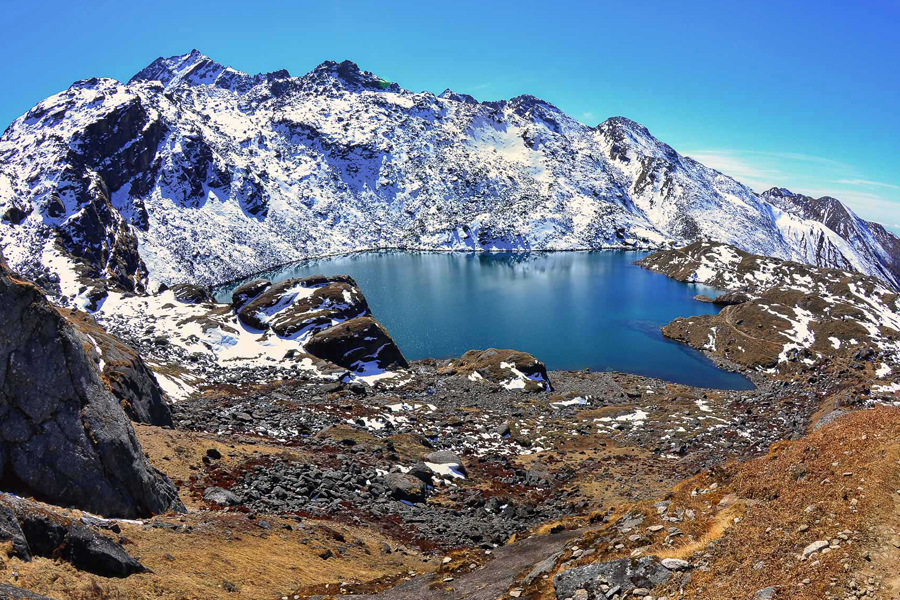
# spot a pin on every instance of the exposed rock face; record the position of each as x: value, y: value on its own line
x: 508, y: 368
x: 11, y: 531
x: 624, y: 573
x: 124, y: 373
x: 247, y: 291
x: 793, y: 314
x: 64, y: 436
x: 357, y: 344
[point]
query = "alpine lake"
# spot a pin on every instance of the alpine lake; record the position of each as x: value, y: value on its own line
x: 572, y: 310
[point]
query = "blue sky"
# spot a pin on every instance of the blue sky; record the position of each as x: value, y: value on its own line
x: 797, y: 94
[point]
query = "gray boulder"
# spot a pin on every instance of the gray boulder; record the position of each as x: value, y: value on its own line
x: 64, y: 437
x: 91, y: 551
x: 403, y: 486
x: 445, y: 457
x: 625, y: 573
x: 220, y: 496
x: 11, y: 592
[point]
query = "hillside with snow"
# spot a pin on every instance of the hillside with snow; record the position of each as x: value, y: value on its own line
x: 196, y: 172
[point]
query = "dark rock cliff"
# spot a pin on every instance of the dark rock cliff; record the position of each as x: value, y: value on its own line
x: 63, y: 436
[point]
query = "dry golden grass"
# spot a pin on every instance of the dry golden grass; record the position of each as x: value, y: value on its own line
x: 842, y: 477
x: 716, y: 528
x: 227, y: 556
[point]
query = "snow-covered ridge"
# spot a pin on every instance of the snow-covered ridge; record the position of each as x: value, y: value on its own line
x: 197, y: 172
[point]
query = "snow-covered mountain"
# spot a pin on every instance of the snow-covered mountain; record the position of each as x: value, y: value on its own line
x: 874, y: 244
x: 197, y: 172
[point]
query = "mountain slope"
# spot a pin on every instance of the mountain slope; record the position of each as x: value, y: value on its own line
x: 193, y: 171
x: 875, y: 244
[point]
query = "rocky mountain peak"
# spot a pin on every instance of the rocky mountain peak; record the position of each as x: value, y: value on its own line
x: 778, y: 192
x: 622, y: 133
x: 350, y: 77
x: 316, y: 164
x: 165, y: 70
x: 195, y: 68
x: 624, y: 124
x: 449, y: 94
x: 527, y: 101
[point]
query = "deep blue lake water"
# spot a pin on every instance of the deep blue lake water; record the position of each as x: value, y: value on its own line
x: 570, y: 309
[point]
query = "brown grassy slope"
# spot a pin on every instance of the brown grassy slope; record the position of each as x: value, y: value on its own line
x: 754, y: 519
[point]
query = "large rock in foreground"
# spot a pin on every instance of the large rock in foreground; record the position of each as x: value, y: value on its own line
x: 63, y: 436
x: 36, y: 531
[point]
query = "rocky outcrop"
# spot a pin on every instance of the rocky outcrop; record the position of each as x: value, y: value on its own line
x: 785, y: 313
x: 309, y: 304
x: 248, y: 291
x: 36, y: 531
x: 63, y: 436
x: 331, y: 311
x: 510, y: 369
x: 359, y: 344
x: 191, y: 294
x: 726, y: 299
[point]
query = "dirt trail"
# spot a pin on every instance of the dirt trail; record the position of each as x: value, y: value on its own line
x: 489, y: 582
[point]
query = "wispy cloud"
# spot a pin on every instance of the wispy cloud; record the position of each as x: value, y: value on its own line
x: 812, y: 175
x: 867, y: 182
x: 735, y: 164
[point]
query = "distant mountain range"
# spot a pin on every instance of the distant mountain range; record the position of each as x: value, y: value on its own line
x: 196, y: 172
